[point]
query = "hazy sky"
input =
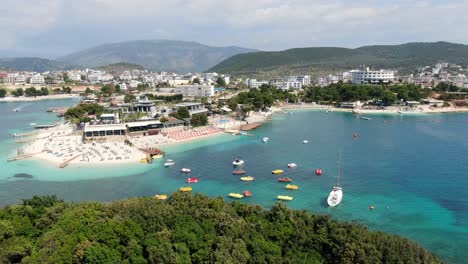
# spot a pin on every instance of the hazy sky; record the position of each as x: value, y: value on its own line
x: 52, y: 28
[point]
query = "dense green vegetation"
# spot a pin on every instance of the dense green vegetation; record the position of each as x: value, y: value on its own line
x: 321, y: 60
x: 117, y: 68
x: 166, y: 98
x: 344, y: 92
x: 18, y: 92
x: 3, y: 92
x: 199, y: 120
x: 32, y: 64
x: 80, y: 112
x: 182, y: 113
x: 189, y: 229
x: 32, y: 91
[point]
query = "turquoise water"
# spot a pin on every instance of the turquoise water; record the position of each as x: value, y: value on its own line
x: 411, y: 168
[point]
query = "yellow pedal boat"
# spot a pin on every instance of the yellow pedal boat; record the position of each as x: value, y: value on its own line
x: 285, y: 198
x: 160, y: 196
x: 291, y: 187
x: 185, y: 189
x: 236, y: 195
x: 247, y: 178
x: 278, y: 172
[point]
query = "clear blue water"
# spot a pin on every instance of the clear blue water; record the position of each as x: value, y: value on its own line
x: 413, y: 169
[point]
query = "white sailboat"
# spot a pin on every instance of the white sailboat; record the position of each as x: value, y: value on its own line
x: 336, y: 195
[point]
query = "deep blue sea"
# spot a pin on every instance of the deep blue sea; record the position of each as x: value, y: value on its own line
x: 412, y: 168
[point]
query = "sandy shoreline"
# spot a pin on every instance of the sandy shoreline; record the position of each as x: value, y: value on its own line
x: 423, y: 109
x: 37, y: 98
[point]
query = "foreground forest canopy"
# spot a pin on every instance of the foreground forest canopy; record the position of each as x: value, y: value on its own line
x: 189, y: 229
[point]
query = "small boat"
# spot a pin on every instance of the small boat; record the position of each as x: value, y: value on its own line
x: 336, y: 195
x: 169, y: 163
x: 32, y: 124
x: 238, y: 172
x: 318, y: 172
x: 365, y: 118
x: 236, y: 195
x: 285, y: 179
x: 185, y: 189
x: 158, y: 156
x: 247, y: 193
x: 291, y: 187
x: 292, y: 165
x: 247, y: 178
x: 160, y: 196
x: 192, y: 180
x: 277, y: 171
x: 238, y: 162
x: 265, y: 139
x: 305, y: 141
x: 185, y: 170
x: 285, y: 198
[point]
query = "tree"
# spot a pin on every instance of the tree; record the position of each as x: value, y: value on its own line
x: 128, y: 98
x: 88, y: 91
x: 66, y: 79
x: 108, y: 89
x: 3, y: 93
x: 220, y: 82
x: 67, y: 90
x: 182, y: 113
x: 163, y: 119
x: 44, y: 91
x: 18, y: 92
x: 232, y: 104
x: 196, y: 81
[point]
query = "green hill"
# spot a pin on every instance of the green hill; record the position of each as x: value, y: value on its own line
x: 32, y: 64
x: 325, y: 60
x: 189, y: 229
x: 160, y: 55
x: 117, y: 68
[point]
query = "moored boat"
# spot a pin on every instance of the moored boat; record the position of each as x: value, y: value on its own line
x: 185, y: 170
x: 285, y: 198
x: 247, y: 193
x: 238, y: 172
x: 292, y: 165
x: 169, y: 163
x: 305, y: 141
x: 236, y: 195
x: 277, y: 171
x: 285, y: 179
x: 185, y: 189
x: 365, y: 118
x: 265, y: 139
x: 160, y: 196
x: 291, y: 187
x: 247, y: 178
x: 336, y: 195
x: 238, y: 162
x: 158, y: 156
x: 192, y: 180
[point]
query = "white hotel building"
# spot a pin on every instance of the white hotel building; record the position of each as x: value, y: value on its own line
x: 372, y: 77
x: 195, y: 90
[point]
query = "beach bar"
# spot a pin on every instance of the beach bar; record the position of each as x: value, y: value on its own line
x: 99, y: 131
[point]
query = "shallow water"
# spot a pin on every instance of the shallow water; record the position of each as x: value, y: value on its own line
x: 411, y: 168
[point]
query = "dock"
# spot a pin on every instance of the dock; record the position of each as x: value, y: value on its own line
x: 23, y: 156
x: 65, y: 163
x: 249, y: 127
x: 45, y: 126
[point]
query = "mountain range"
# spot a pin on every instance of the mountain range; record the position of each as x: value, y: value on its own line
x: 404, y: 57
x: 184, y: 56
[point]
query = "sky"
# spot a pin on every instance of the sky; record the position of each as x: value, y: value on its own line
x: 52, y: 28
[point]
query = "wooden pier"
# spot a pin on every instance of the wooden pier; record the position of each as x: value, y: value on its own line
x: 24, y: 156
x: 65, y: 163
x: 250, y: 126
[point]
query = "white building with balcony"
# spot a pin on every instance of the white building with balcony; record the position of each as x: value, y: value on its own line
x: 372, y: 77
x: 37, y: 79
x: 195, y: 90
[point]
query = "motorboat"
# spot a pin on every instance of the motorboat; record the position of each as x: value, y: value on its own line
x: 185, y: 170
x: 160, y: 196
x: 169, y: 163
x: 285, y: 198
x: 192, y: 180
x: 32, y: 124
x: 365, y: 118
x: 292, y: 165
x: 265, y: 139
x: 247, y: 193
x: 336, y: 195
x: 185, y: 189
x: 291, y: 187
x: 238, y: 162
x: 236, y: 195
x: 238, y: 172
x: 285, y: 179
x: 277, y: 171
x: 305, y: 141
x: 247, y: 178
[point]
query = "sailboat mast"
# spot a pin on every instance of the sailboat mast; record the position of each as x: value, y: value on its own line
x: 339, y: 170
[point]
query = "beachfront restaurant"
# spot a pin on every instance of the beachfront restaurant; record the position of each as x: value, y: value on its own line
x: 193, y: 108
x: 104, y: 130
x: 143, y: 126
